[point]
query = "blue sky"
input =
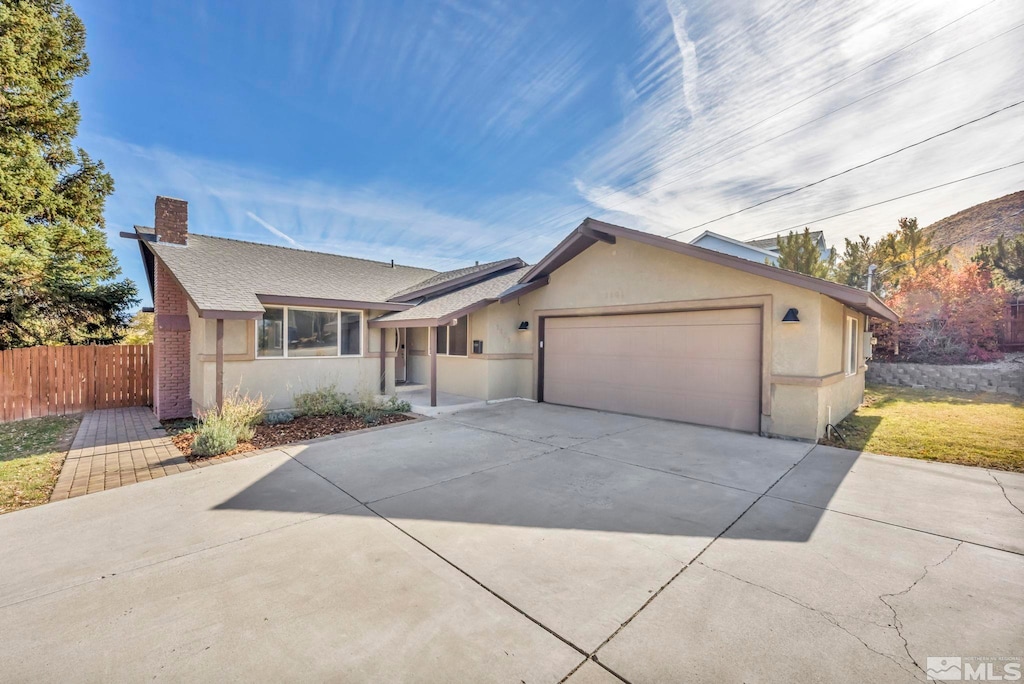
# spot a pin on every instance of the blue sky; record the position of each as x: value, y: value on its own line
x: 440, y: 133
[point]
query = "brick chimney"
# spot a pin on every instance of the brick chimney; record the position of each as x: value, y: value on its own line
x: 171, y: 220
x: 171, y: 330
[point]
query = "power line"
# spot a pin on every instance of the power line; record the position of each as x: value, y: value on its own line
x: 891, y: 199
x: 771, y: 139
x: 852, y: 168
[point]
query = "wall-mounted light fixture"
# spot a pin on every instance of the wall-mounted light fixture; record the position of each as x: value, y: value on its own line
x: 791, y: 316
x: 524, y: 325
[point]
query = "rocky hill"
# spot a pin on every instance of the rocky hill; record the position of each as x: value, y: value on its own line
x: 980, y: 224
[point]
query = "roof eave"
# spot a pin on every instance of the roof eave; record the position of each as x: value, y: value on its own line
x: 579, y: 240
x: 287, y: 300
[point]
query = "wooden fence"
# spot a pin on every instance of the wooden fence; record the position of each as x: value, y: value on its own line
x: 1013, y: 336
x: 54, y: 381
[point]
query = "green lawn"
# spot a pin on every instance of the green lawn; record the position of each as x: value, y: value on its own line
x: 978, y: 429
x: 31, y: 453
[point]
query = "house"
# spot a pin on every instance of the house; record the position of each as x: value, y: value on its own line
x: 763, y: 250
x: 743, y: 250
x: 612, y: 319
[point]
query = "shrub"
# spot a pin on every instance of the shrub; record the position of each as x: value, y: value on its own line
x: 370, y: 407
x: 946, y: 316
x: 243, y: 413
x: 395, y: 405
x: 278, y: 417
x: 214, y: 437
x: 324, y: 401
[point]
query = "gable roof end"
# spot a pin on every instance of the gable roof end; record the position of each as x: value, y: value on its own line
x: 592, y: 230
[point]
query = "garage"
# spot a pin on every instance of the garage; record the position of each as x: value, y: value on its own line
x: 699, y: 367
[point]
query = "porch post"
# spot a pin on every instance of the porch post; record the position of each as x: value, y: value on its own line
x: 383, y: 364
x: 432, y: 346
x: 220, y: 363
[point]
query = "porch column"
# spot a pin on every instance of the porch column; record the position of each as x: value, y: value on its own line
x: 220, y: 363
x: 383, y: 364
x: 432, y: 347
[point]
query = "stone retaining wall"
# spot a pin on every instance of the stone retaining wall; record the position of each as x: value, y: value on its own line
x: 1006, y: 379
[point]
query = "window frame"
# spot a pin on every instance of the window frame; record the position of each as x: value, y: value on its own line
x: 338, y: 355
x: 448, y: 341
x: 851, y: 346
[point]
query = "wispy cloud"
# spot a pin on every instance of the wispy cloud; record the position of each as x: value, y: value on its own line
x: 284, y: 236
x: 664, y: 170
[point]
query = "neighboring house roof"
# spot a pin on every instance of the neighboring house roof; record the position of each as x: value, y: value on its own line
x: 772, y: 243
x: 460, y: 277
x: 445, y: 308
x: 744, y: 245
x: 592, y: 231
x: 235, y: 278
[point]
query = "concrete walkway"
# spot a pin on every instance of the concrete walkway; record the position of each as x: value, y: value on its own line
x: 116, y: 447
x: 522, y: 542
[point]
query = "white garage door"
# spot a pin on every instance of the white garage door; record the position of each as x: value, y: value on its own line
x: 697, y: 366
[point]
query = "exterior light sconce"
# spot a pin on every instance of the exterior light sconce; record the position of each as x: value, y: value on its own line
x: 791, y: 316
x: 524, y: 325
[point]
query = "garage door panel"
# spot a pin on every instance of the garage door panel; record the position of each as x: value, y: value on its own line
x: 701, y: 367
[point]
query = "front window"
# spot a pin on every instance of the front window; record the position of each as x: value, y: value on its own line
x: 453, y: 340
x: 312, y: 333
x: 308, y: 333
x: 270, y: 333
x: 852, y: 339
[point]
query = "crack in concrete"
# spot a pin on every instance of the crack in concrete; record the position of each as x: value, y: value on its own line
x: 681, y: 570
x: 826, y: 615
x: 897, y: 623
x: 1003, y: 490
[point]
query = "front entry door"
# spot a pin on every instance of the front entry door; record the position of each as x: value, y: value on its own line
x: 400, y: 359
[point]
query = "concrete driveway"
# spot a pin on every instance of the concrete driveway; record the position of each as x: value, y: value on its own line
x: 521, y: 542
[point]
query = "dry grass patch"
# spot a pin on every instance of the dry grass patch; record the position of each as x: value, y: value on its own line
x: 31, y: 454
x: 977, y: 429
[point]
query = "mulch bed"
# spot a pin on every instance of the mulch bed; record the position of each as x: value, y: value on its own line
x: 297, y: 430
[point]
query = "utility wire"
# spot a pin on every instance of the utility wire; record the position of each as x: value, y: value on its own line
x: 771, y: 139
x: 846, y: 171
x: 826, y: 88
x: 891, y: 199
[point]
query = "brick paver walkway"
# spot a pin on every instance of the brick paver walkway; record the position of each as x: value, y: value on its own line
x: 116, y: 447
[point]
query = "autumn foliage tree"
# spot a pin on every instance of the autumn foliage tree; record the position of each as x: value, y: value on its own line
x: 946, y: 316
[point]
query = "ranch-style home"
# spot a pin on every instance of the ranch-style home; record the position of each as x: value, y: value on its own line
x: 611, y: 319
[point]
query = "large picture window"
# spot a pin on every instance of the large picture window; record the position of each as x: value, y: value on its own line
x: 453, y: 340
x: 293, y: 332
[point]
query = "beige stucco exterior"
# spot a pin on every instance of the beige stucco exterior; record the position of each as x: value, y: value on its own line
x: 803, y: 378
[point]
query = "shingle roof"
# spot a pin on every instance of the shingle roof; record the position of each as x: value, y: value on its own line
x: 448, y: 276
x: 454, y: 302
x: 220, y: 274
x: 773, y: 242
